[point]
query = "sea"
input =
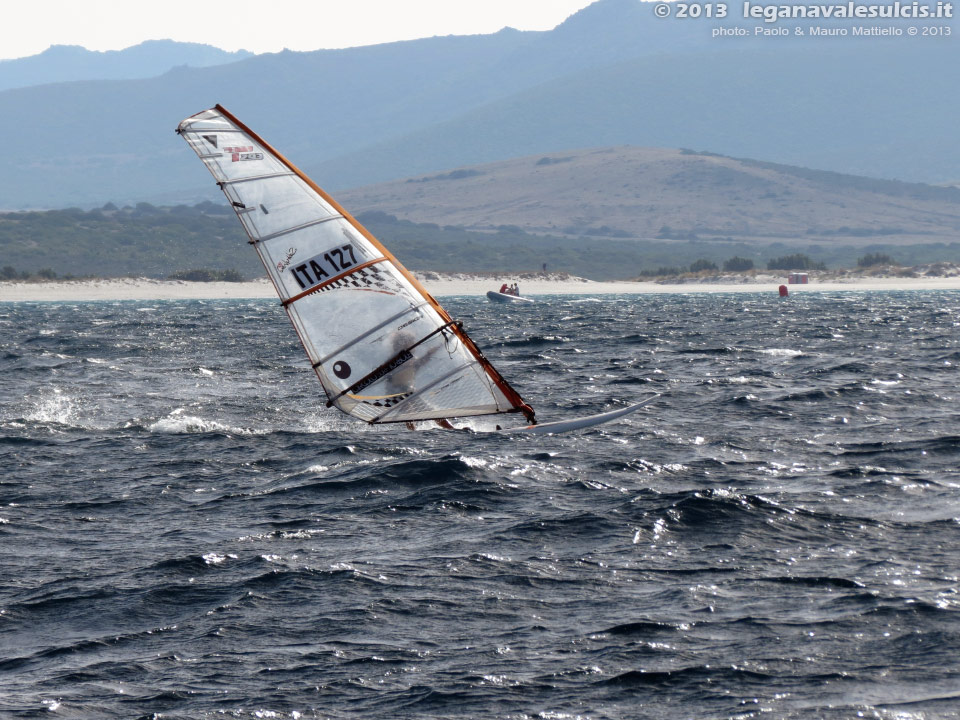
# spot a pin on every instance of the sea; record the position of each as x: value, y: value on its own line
x: 187, y: 532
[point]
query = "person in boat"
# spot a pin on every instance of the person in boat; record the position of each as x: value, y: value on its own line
x: 503, y: 289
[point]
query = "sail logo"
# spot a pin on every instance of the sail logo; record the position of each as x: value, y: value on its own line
x: 388, y: 367
x: 285, y: 263
x: 245, y: 152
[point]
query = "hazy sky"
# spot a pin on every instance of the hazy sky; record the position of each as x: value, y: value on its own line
x: 31, y: 26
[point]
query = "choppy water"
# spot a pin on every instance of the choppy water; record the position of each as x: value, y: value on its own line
x: 185, y: 532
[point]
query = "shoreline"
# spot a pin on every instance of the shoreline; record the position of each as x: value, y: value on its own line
x: 442, y: 285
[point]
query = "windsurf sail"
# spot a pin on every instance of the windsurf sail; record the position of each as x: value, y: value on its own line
x: 383, y: 349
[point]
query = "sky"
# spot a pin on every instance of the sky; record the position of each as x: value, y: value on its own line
x: 31, y: 26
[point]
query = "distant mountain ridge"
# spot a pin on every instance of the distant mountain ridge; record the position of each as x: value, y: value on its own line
x: 796, y: 105
x: 611, y: 74
x: 70, y: 63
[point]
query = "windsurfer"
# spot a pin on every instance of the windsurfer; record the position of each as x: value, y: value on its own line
x: 414, y: 380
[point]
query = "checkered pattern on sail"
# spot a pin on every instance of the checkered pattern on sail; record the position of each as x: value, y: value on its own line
x: 373, y: 277
x: 387, y: 402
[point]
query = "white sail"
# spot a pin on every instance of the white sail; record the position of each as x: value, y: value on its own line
x: 383, y: 348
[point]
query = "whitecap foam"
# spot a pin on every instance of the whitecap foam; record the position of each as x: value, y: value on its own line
x: 781, y: 352
x: 53, y: 406
x: 474, y: 462
x: 180, y: 423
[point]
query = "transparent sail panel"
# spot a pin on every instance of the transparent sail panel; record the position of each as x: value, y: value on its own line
x: 384, y: 351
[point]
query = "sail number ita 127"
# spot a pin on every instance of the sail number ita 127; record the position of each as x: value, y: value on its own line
x: 324, y: 266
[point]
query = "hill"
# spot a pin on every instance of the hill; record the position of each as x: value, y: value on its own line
x: 656, y: 193
x: 611, y: 74
x: 608, y: 213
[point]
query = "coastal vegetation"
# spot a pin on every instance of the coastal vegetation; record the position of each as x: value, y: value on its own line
x: 204, y: 241
x: 871, y: 259
x: 796, y: 261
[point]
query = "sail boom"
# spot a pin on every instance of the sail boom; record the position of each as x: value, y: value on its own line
x: 401, y: 357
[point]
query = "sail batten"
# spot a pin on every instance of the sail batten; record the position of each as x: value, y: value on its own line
x: 255, y: 177
x: 304, y: 226
x: 383, y: 349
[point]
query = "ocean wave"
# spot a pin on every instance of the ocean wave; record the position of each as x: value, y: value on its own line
x: 775, y: 529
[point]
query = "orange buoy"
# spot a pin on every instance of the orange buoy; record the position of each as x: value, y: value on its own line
x: 783, y: 291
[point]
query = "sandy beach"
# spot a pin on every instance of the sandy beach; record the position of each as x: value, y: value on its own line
x: 442, y: 285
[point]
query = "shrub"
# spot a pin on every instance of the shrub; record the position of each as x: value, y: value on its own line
x: 702, y: 264
x: 875, y: 259
x: 205, y: 275
x: 738, y: 264
x: 660, y: 271
x: 798, y: 261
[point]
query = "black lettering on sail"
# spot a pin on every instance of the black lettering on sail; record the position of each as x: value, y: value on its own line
x: 317, y: 270
x: 296, y: 275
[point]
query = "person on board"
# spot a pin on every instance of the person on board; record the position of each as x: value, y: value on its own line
x: 503, y: 289
x: 402, y: 381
